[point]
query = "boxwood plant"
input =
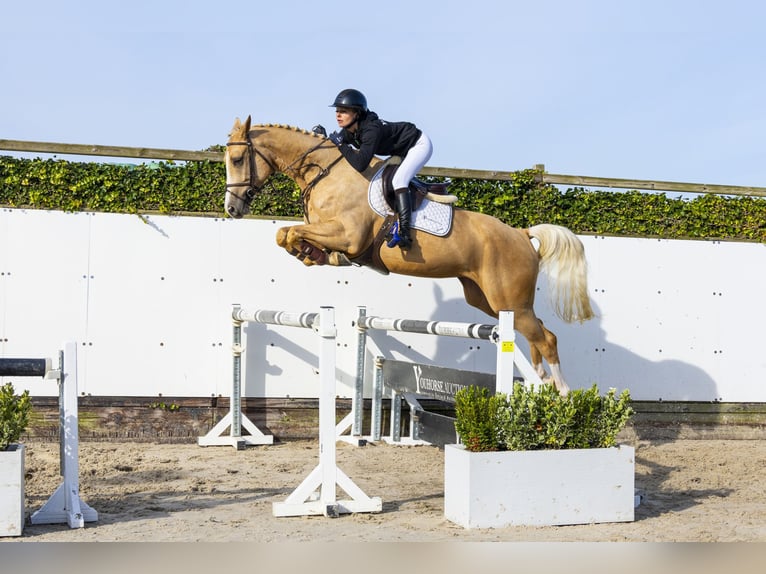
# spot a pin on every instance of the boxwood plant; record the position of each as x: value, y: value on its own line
x: 535, y: 418
x: 14, y: 415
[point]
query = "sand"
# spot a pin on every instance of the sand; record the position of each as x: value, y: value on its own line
x: 693, y: 491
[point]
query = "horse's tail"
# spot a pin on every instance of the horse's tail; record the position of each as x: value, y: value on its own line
x: 562, y: 257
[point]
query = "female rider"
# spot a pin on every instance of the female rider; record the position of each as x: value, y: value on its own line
x: 363, y: 134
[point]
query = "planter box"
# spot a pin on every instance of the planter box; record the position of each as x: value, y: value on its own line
x: 538, y: 488
x: 12, y: 490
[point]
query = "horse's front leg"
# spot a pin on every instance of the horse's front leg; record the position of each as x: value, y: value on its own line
x: 316, y: 243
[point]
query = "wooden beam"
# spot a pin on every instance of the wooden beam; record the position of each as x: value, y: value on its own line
x: 588, y: 181
x: 111, y: 151
x: 543, y: 177
x: 466, y: 173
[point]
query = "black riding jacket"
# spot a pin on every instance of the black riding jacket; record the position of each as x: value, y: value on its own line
x: 374, y: 136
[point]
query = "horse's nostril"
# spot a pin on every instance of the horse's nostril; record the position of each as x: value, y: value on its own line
x: 233, y: 212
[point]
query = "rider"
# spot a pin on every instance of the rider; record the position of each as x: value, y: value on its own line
x: 363, y: 134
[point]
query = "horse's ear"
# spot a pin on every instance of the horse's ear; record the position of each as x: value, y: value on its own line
x: 247, y: 125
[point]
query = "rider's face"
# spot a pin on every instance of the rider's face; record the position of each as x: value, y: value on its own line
x: 345, y: 116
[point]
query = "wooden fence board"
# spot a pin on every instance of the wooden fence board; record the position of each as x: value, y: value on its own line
x: 499, y: 175
x: 184, y: 419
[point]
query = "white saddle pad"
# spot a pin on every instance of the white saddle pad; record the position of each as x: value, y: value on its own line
x: 431, y: 217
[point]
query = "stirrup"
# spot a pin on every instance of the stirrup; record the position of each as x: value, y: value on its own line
x: 393, y: 237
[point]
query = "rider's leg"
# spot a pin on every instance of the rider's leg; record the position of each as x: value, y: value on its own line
x: 404, y: 209
x: 412, y: 163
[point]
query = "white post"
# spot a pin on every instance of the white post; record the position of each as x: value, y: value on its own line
x: 354, y: 419
x: 509, y: 355
x: 505, y: 340
x: 327, y: 437
x: 65, y: 505
x: 304, y: 501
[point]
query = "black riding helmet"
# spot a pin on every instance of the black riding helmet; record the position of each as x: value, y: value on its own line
x: 350, y: 99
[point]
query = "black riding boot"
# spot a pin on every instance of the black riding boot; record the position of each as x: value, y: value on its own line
x: 404, y: 209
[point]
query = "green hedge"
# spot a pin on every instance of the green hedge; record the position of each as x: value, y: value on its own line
x: 198, y: 187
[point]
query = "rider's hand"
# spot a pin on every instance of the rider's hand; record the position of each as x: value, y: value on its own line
x: 336, y: 138
x: 319, y: 130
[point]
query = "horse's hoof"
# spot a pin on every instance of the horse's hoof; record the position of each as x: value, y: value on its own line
x: 313, y: 253
x: 338, y: 259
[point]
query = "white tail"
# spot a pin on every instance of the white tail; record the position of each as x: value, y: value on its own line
x: 562, y: 258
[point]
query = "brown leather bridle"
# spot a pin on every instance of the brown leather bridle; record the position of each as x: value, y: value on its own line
x: 251, y: 189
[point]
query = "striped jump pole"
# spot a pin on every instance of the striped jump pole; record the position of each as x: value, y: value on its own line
x: 24, y: 367
x: 442, y: 328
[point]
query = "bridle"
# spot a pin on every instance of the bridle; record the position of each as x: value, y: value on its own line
x: 251, y: 189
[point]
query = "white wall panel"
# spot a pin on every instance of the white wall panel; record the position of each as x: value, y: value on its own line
x: 149, y: 300
x: 676, y: 320
x: 43, y: 286
x: 155, y: 306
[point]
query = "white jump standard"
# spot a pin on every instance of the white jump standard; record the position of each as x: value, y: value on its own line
x: 316, y: 494
x: 64, y: 505
x: 234, y: 419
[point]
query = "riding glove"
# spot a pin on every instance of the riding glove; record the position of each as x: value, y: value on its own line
x: 336, y: 138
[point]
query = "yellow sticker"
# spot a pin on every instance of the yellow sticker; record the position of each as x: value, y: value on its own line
x: 506, y: 347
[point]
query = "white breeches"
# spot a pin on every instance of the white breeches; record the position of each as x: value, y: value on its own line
x: 413, y: 162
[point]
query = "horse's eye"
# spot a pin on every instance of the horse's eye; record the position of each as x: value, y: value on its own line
x: 237, y: 160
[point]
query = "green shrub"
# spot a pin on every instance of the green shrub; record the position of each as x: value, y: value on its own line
x: 540, y: 418
x: 14, y: 415
x: 476, y: 422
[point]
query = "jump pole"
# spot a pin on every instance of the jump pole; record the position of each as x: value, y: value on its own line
x: 64, y: 505
x: 316, y: 495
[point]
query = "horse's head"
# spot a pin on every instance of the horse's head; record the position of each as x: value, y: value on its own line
x: 246, y: 170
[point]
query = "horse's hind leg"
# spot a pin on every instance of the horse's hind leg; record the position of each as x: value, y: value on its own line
x: 537, y: 360
x: 542, y: 343
x: 474, y: 296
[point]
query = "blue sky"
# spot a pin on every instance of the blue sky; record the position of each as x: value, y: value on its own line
x: 666, y: 90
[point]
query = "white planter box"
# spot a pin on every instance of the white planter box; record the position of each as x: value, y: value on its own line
x: 12, y: 491
x: 538, y: 488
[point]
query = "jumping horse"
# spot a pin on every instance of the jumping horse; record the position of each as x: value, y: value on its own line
x: 496, y: 264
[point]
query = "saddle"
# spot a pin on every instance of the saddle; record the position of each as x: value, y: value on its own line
x: 419, y: 192
x: 418, y: 189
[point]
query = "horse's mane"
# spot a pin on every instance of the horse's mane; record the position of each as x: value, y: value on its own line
x: 291, y: 128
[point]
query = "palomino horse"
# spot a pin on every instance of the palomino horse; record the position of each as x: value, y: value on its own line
x: 496, y: 264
